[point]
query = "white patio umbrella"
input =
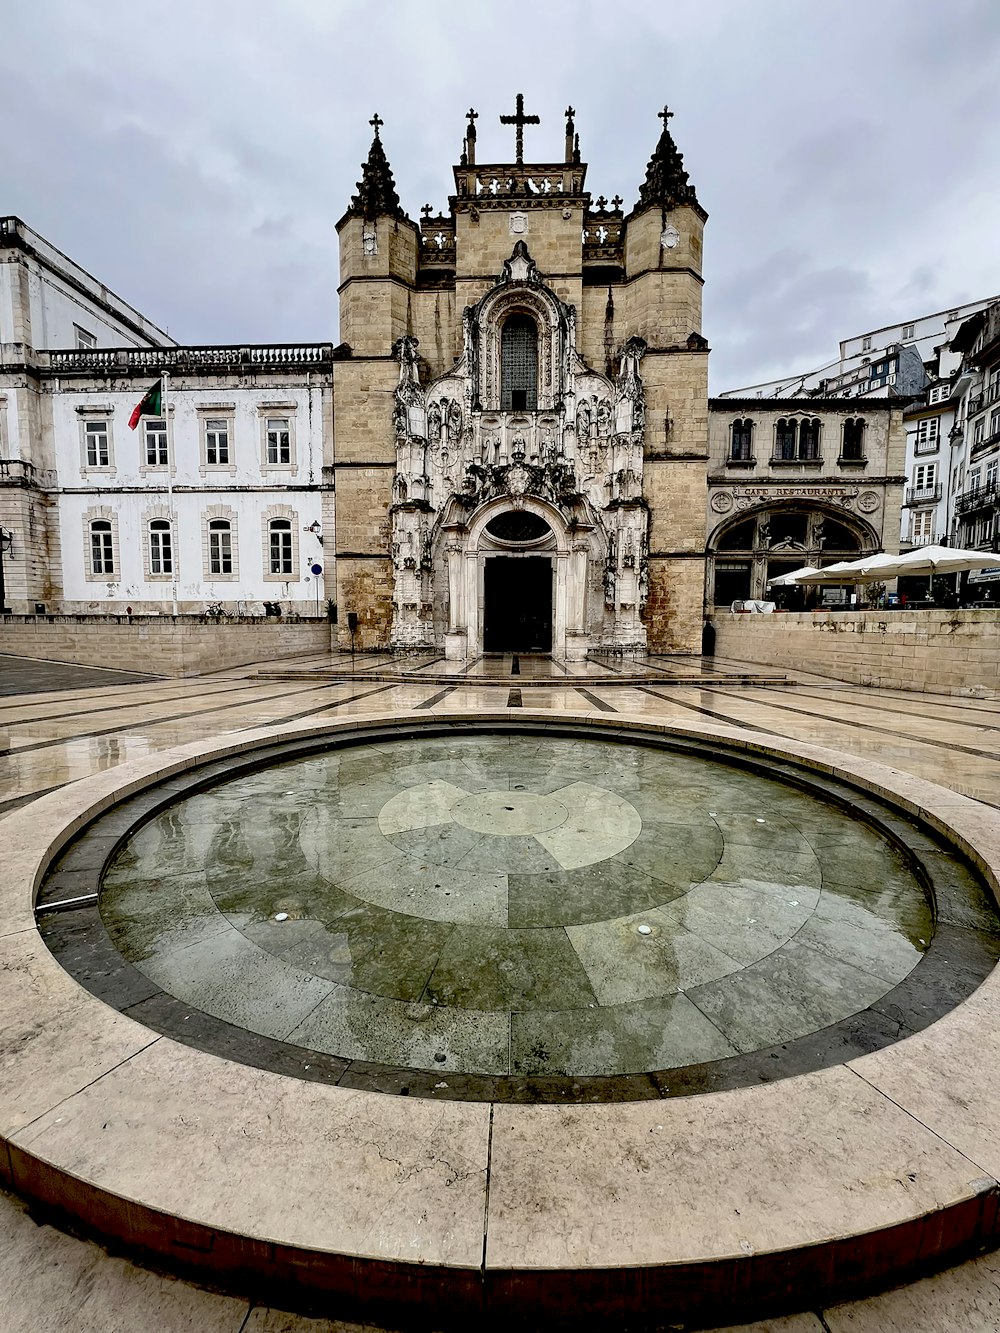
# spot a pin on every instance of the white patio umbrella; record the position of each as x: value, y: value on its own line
x: 939, y: 560
x: 791, y: 578
x: 844, y: 571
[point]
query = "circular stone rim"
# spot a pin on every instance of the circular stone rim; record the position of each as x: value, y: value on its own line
x: 942, y: 977
x: 851, y: 1176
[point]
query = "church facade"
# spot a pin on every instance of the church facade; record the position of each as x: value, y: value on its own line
x: 508, y: 449
x: 542, y: 486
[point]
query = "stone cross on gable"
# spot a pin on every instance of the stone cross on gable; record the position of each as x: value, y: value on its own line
x: 376, y: 121
x: 519, y: 120
x: 427, y: 210
x: 664, y: 115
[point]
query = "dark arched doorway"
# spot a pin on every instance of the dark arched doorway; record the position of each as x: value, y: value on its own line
x: 517, y: 587
x: 764, y: 543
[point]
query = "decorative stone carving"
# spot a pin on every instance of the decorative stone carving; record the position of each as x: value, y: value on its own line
x: 434, y: 422
x: 579, y: 456
x: 721, y: 502
x: 630, y: 403
x: 868, y: 502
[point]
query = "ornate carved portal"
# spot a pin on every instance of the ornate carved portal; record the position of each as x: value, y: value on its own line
x: 471, y: 447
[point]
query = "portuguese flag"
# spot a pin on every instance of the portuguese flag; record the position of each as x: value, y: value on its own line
x: 151, y: 405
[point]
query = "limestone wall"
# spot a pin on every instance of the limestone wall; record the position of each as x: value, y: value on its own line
x: 160, y: 645
x: 943, y: 652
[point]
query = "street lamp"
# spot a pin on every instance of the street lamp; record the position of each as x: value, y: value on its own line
x: 6, y: 548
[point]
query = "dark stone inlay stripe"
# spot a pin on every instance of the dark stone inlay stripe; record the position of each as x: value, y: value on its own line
x: 595, y: 702
x: 896, y: 734
x: 120, y: 727
x: 957, y: 961
x: 436, y: 698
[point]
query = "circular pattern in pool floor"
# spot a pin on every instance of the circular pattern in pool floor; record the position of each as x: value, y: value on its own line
x: 519, y: 906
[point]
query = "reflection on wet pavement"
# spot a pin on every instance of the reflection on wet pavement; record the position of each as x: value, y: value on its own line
x: 517, y: 905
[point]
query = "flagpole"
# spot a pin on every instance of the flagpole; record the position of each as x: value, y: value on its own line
x: 175, y: 547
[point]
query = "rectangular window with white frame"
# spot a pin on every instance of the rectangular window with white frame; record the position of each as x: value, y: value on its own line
x: 992, y: 468
x: 922, y: 527
x: 155, y: 440
x: 928, y: 435
x: 97, y: 444
x: 907, y: 332
x: 925, y: 476
x: 218, y: 441
x: 277, y: 437
x: 279, y: 446
x: 83, y: 338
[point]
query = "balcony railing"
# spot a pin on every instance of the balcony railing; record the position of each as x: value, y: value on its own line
x: 923, y: 495
x: 924, y: 538
x: 927, y: 446
x: 113, y: 360
x: 990, y: 441
x: 483, y: 183
x: 978, y: 497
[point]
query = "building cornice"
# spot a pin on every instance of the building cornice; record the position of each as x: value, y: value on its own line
x: 851, y: 406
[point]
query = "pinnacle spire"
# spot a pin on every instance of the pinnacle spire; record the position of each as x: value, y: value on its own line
x: 666, y: 180
x: 376, y: 194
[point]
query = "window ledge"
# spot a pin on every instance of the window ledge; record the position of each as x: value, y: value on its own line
x: 796, y: 462
x: 852, y: 462
x: 741, y: 462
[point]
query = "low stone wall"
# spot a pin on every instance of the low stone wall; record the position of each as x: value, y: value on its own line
x: 160, y: 645
x: 943, y: 652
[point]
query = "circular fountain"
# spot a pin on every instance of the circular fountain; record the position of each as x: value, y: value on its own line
x: 668, y: 1017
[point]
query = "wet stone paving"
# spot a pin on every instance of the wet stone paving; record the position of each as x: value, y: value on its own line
x: 516, y: 906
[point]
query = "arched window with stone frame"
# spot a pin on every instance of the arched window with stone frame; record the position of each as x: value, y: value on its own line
x: 809, y: 433
x: 519, y: 363
x: 281, y: 547
x: 102, y: 561
x: 852, y: 448
x: 220, y: 548
x: 741, y: 440
x: 161, y: 548
x: 102, y: 548
x: 786, y: 432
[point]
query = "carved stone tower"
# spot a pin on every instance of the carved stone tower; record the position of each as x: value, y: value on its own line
x: 527, y: 471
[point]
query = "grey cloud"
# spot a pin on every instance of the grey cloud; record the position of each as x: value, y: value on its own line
x: 197, y: 157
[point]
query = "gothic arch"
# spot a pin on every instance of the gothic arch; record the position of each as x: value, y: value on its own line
x: 754, y: 544
x: 520, y: 292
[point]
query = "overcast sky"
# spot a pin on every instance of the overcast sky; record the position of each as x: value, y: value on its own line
x: 195, y: 155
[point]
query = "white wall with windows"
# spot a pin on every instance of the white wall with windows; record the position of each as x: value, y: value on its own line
x: 929, y: 483
x: 215, y: 500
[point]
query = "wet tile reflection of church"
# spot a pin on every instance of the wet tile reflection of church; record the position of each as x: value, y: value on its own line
x: 521, y: 415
